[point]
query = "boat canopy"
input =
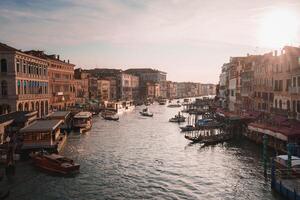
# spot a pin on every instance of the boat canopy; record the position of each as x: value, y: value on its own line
x: 42, y: 126
x: 295, y: 160
x: 83, y: 115
x: 59, y: 115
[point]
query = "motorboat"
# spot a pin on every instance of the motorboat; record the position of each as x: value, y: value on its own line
x: 55, y: 163
x: 187, y: 128
x: 145, y: 112
x: 109, y: 115
x: 178, y: 118
x: 174, y: 105
x: 162, y: 102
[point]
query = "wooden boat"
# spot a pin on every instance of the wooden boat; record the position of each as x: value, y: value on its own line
x: 55, y: 163
x: 83, y: 121
x: 178, y: 118
x: 145, y: 112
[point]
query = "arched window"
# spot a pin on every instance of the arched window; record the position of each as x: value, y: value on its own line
x: 280, y: 104
x: 46, y: 107
x: 4, y: 88
x: 3, y: 65
x: 20, y: 107
x: 26, y: 107
x: 288, y: 105
x: 32, y: 106
x: 275, y: 103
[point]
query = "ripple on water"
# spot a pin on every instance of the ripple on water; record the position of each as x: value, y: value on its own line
x: 148, y: 158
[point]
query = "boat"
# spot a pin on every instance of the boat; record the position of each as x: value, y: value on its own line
x: 120, y: 106
x: 281, y: 162
x: 42, y: 134
x: 145, y: 112
x: 178, y: 118
x: 187, y: 128
x: 162, y: 102
x: 174, y: 105
x: 208, y: 123
x: 218, y: 138
x: 109, y: 115
x: 83, y: 121
x: 55, y: 163
x: 186, y: 100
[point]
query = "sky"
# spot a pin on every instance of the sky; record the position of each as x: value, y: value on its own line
x: 188, y: 39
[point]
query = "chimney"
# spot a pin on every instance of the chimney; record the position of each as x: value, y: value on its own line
x: 275, y: 53
x: 57, y: 57
x: 68, y: 61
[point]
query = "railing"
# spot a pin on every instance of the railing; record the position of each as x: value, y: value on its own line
x: 32, y: 96
x: 294, y: 90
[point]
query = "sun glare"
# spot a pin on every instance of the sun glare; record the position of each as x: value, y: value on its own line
x: 279, y: 28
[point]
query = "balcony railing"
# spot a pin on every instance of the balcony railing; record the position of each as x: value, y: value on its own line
x: 294, y: 90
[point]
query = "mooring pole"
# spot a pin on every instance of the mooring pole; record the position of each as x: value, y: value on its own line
x: 289, y: 161
x: 265, y: 148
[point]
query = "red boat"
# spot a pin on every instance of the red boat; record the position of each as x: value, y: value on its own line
x: 55, y: 163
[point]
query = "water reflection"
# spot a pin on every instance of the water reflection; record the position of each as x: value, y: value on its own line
x: 148, y: 158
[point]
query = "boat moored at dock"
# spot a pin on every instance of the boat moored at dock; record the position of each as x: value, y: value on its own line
x: 42, y: 134
x: 55, y: 163
x: 82, y: 121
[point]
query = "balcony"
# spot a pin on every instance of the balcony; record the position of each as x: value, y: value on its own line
x: 294, y: 90
x: 32, y: 96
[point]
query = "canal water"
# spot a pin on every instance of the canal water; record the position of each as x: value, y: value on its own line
x: 147, y: 158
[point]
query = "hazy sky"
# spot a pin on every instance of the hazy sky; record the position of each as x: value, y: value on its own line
x: 189, y: 39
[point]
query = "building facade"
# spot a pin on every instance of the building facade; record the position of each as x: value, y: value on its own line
x: 24, y: 82
x: 61, y: 80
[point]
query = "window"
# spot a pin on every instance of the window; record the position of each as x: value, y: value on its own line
x: 4, y: 88
x: 298, y: 79
x: 280, y: 104
x: 24, y: 68
x: 280, y: 85
x: 25, y: 87
x: 294, y: 81
x: 3, y: 65
x: 288, y: 84
x: 18, y: 66
x: 19, y: 87
x: 275, y: 103
x: 288, y: 105
x: 298, y: 106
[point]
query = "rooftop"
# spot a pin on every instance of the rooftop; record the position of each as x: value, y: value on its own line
x: 59, y: 114
x: 143, y: 70
x: 42, y: 126
x: 19, y: 116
